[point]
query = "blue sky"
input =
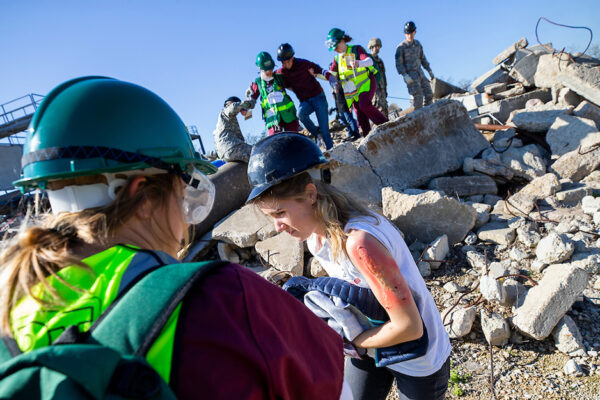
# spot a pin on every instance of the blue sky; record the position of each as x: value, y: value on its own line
x: 196, y: 54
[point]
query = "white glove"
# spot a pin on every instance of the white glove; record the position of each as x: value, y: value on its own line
x: 408, y: 79
x: 431, y: 75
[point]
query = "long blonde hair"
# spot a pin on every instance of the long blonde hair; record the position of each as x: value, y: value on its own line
x: 333, y: 207
x: 40, y: 250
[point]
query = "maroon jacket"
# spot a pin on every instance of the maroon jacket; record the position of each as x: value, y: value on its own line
x: 300, y: 80
x: 241, y: 337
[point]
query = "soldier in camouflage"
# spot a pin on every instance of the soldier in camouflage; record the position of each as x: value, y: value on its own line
x: 409, y: 59
x: 380, y: 98
x: 229, y: 141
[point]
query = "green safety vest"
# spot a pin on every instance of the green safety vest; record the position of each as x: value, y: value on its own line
x: 35, y: 327
x: 354, y: 81
x: 275, y: 110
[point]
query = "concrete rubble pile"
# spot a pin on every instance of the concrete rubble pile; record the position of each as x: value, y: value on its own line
x: 521, y: 205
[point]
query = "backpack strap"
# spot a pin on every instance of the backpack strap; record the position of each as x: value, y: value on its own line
x: 132, y: 324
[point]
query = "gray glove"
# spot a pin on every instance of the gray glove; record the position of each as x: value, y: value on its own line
x: 431, y: 77
x: 408, y: 79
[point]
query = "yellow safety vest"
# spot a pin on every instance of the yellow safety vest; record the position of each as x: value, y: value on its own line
x: 354, y: 81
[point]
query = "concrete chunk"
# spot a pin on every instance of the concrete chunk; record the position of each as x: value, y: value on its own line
x: 585, y: 109
x: 283, y: 252
x: 510, y: 51
x: 567, y: 132
x: 546, y: 303
x: 501, y: 109
x: 464, y: 185
x: 495, y: 328
x: 522, y: 202
x: 495, y: 75
x: 539, y: 118
x: 425, y: 216
x: 576, y: 166
x: 426, y: 143
x: 525, y: 162
x: 245, y: 227
x: 442, y: 88
x: 351, y: 173
x: 497, y: 232
x: 524, y: 70
x: 583, y: 79
x: 554, y: 248
x: 567, y: 337
x: 10, y: 167
x: 462, y: 321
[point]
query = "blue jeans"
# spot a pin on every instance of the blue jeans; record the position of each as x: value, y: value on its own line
x: 371, y: 383
x: 318, y: 105
x: 347, y: 119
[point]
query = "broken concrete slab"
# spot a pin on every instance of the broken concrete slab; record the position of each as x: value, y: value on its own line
x: 546, y: 303
x: 316, y: 269
x: 567, y: 133
x: 517, y: 89
x: 428, y: 142
x: 351, y: 173
x: 473, y: 101
x: 554, y: 248
x: 491, y: 167
x: 501, y: 109
x: 483, y: 214
x: 442, y: 88
x: 577, y: 164
x: 283, y: 252
x: 495, y: 88
x: 585, y: 109
x: 524, y: 70
x: 495, y: 328
x: 573, y: 195
x: 497, y: 232
x: 426, y: 215
x: 245, y: 227
x: 525, y: 162
x: 538, y: 118
x: 510, y: 51
x: 522, y: 202
x: 584, y: 79
x: 231, y: 191
x: 568, y: 97
x: 496, y: 75
x: 464, y: 185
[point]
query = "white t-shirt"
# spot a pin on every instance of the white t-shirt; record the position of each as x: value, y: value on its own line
x: 383, y: 230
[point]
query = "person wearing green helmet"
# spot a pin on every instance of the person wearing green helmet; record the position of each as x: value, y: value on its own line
x: 354, y: 68
x: 124, y: 183
x: 279, y: 112
x: 369, y: 268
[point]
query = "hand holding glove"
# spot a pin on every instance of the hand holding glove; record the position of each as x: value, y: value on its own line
x: 332, y: 81
x: 408, y: 79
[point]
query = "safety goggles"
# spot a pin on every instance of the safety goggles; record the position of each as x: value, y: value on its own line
x: 199, y: 196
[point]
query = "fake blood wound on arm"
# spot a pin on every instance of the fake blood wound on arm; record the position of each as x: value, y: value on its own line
x: 381, y: 271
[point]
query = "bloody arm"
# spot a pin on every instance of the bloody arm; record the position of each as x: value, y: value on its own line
x: 384, y: 278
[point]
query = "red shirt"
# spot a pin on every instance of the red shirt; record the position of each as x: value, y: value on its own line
x: 241, y: 337
x: 300, y: 80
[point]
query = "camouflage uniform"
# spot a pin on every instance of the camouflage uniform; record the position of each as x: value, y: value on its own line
x: 380, y: 98
x: 409, y: 59
x: 229, y: 141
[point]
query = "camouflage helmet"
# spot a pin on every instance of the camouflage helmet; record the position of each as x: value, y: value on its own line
x: 264, y: 61
x: 410, y: 27
x: 374, y: 42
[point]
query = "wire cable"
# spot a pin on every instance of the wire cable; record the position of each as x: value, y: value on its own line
x: 564, y: 26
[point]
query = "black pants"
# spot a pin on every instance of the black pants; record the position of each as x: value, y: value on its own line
x: 371, y: 383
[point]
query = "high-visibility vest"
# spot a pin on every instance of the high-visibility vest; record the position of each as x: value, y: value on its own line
x: 354, y: 81
x: 276, y: 105
x: 35, y: 326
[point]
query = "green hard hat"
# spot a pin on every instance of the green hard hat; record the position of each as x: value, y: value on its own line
x: 333, y: 38
x: 91, y: 125
x: 264, y: 61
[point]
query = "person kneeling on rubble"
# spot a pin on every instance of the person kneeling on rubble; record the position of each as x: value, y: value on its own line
x: 124, y: 183
x: 229, y: 141
x: 361, y: 251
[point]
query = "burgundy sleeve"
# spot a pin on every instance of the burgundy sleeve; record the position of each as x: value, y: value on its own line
x: 254, y: 89
x: 239, y: 336
x: 333, y: 67
x: 360, y: 51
